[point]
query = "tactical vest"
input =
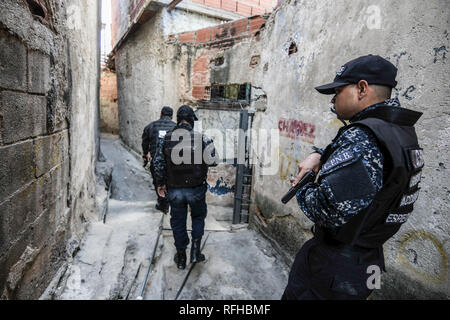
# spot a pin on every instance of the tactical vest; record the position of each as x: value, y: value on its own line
x: 403, y: 163
x: 158, y: 131
x: 184, y: 174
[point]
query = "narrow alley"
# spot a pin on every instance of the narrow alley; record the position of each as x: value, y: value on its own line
x: 114, y: 258
x: 343, y: 104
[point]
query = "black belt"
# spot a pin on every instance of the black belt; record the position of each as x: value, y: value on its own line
x: 355, y: 253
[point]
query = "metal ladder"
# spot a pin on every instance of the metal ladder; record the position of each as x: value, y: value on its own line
x: 244, y: 170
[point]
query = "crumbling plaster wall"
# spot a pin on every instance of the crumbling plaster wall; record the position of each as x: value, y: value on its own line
x: 147, y: 72
x: 413, y: 35
x: 48, y: 108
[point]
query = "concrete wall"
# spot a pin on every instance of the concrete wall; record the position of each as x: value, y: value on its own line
x: 147, y: 71
x: 411, y: 34
x: 109, y: 113
x: 48, y: 107
x: 153, y: 72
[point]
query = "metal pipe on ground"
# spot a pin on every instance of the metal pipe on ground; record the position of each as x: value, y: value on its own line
x: 190, y: 270
x: 140, y: 297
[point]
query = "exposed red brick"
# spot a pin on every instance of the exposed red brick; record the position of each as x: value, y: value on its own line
x: 200, y: 78
x: 238, y: 27
x: 187, y: 37
x: 229, y: 5
x: 212, y: 3
x: 266, y: 3
x: 258, y: 11
x: 201, y: 64
x: 221, y: 31
x: 253, y: 2
x: 256, y: 23
x: 244, y: 9
x: 203, y: 35
x: 199, y: 92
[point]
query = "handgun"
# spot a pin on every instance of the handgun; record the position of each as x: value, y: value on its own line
x: 308, y: 177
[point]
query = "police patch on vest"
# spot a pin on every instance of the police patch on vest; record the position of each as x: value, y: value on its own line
x: 416, y: 157
x: 338, y: 159
x: 409, y: 199
x: 415, y: 179
x: 162, y: 133
x: 397, y: 218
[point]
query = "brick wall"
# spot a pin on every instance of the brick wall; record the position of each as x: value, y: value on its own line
x: 244, y: 7
x: 220, y: 36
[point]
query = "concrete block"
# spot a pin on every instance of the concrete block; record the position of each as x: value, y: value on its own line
x: 8, y: 259
x: 3, y: 226
x: 24, y: 116
x: 38, y: 72
x: 43, y: 227
x: 13, y: 63
x: 18, y: 269
x: 22, y: 209
x: 16, y: 167
x: 50, y: 151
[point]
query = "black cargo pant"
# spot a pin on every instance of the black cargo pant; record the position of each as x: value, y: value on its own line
x: 323, y: 272
x: 180, y: 199
x: 162, y: 202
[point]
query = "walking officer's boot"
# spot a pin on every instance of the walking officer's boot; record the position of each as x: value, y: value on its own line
x: 180, y: 258
x: 196, y: 255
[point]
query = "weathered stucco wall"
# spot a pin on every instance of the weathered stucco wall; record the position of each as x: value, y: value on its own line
x: 153, y: 72
x: 48, y: 107
x: 146, y: 73
x: 411, y: 34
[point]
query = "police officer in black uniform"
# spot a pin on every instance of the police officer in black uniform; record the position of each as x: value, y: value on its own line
x: 181, y: 167
x: 368, y: 182
x: 152, y: 133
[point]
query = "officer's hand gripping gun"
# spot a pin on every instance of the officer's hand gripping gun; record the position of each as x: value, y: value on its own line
x: 308, y: 177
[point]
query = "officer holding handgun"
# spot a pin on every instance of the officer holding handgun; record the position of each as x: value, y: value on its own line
x: 368, y: 183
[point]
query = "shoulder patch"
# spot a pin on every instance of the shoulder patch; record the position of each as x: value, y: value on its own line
x: 162, y: 133
x: 336, y: 160
x: 351, y: 182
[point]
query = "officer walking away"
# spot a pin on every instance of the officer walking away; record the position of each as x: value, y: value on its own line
x: 181, y: 167
x: 368, y: 182
x: 152, y: 133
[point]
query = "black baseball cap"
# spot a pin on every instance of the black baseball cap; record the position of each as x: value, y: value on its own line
x: 185, y: 112
x: 372, y: 68
x: 167, y: 111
